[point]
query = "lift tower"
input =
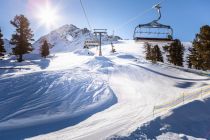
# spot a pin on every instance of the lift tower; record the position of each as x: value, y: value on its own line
x: 100, y: 32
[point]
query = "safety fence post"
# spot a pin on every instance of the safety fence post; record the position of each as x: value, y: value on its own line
x: 183, y: 97
x: 201, y: 94
x: 153, y: 111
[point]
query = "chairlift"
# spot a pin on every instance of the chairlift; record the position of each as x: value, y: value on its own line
x: 92, y: 41
x: 154, y: 31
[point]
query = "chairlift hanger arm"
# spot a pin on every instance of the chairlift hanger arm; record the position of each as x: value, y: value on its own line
x: 158, y: 7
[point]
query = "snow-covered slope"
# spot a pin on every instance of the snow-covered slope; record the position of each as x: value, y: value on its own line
x: 78, y: 95
x: 190, y: 122
x: 59, y: 95
x: 138, y: 86
x: 66, y: 38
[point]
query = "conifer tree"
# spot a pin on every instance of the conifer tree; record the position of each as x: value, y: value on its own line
x: 158, y: 54
x: 45, y: 49
x: 175, y: 52
x: 148, y: 48
x: 191, y: 57
x: 22, y: 37
x: 153, y: 53
x: 199, y: 57
x: 2, y: 49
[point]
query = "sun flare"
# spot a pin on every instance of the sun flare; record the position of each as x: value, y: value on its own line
x: 48, y: 15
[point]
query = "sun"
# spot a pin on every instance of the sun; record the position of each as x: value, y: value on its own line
x: 48, y: 15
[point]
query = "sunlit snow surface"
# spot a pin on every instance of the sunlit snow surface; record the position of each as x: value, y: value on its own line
x: 117, y: 91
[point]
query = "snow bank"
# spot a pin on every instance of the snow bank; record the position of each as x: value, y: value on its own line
x: 37, y: 103
x: 100, y: 62
x: 126, y: 56
x: 174, y: 136
x: 84, y: 52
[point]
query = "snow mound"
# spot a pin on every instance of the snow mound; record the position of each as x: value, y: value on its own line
x: 126, y: 56
x: 84, y: 52
x: 50, y: 98
x: 100, y: 62
x: 174, y: 136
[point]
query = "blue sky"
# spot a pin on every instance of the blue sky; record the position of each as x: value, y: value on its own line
x: 185, y: 16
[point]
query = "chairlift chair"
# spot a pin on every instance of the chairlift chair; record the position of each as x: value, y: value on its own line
x: 154, y: 31
x: 91, y: 42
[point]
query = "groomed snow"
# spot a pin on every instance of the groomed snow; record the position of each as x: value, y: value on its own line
x: 138, y: 86
x: 190, y: 121
x: 43, y: 95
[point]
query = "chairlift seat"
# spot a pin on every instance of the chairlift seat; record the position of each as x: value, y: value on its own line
x: 153, y: 30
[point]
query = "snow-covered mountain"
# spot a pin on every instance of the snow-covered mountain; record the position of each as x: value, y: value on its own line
x: 68, y: 38
x: 8, y: 47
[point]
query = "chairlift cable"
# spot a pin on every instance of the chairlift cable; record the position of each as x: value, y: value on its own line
x: 88, y: 22
x: 138, y: 16
x: 85, y: 13
x: 132, y: 19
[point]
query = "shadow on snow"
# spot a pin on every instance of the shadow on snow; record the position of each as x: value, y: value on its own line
x: 170, y: 76
x: 192, y: 119
x: 48, y: 93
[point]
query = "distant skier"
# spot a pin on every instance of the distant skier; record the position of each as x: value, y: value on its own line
x: 113, y: 49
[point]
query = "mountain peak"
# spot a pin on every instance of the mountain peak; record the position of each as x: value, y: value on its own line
x: 65, y: 29
x: 68, y: 38
x: 68, y: 26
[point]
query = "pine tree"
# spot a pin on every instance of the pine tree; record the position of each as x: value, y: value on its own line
x: 22, y: 37
x: 2, y: 49
x: 199, y: 57
x: 194, y: 59
x: 153, y: 53
x: 45, y: 49
x: 147, y: 47
x: 158, y: 54
x: 175, y: 52
x: 191, y: 57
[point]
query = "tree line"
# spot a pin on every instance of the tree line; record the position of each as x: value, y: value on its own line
x: 174, y: 53
x: 199, y: 53
x: 21, y: 39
